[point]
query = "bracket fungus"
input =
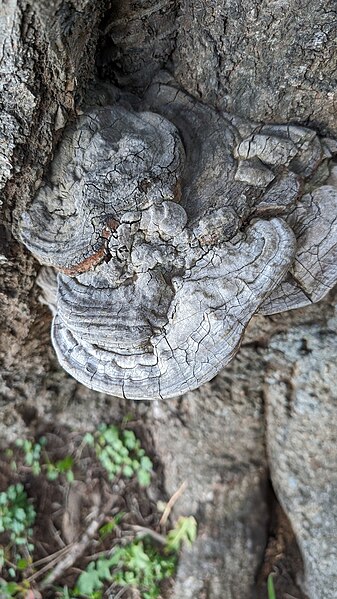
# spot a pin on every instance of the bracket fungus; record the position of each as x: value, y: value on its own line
x: 170, y: 226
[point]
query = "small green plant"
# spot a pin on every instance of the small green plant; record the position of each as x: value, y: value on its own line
x: 38, y: 461
x: 61, y: 467
x: 32, y: 453
x: 139, y: 564
x: 120, y: 453
x: 8, y: 589
x: 14, y: 589
x: 185, y: 531
x: 9, y: 453
x: 17, y: 515
x: 270, y: 587
x: 143, y: 567
x: 107, y: 528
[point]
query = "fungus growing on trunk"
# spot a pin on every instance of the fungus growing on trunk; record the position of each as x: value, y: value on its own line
x: 170, y: 226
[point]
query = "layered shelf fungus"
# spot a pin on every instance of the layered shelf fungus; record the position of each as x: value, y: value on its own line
x: 170, y: 225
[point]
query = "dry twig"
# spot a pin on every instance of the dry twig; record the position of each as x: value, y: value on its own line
x: 171, y: 503
x: 143, y: 530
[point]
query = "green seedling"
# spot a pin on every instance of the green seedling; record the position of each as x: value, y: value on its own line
x: 17, y: 515
x: 120, y: 453
x: 270, y: 587
x: 32, y: 453
x: 107, y: 528
x: 185, y: 531
x: 61, y: 467
x: 139, y: 564
x: 38, y: 461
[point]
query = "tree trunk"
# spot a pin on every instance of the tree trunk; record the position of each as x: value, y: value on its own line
x: 257, y: 444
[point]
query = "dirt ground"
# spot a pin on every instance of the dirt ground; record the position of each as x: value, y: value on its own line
x: 65, y: 510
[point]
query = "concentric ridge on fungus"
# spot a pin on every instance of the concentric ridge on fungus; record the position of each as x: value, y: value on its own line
x: 170, y: 226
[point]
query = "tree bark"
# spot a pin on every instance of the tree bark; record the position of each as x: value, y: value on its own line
x: 269, y: 418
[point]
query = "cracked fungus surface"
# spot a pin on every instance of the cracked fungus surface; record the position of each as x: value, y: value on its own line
x: 169, y: 227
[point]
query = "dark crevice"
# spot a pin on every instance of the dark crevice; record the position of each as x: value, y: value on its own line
x: 282, y: 557
x: 136, y: 42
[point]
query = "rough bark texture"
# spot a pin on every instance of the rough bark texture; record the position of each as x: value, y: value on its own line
x: 269, y: 61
